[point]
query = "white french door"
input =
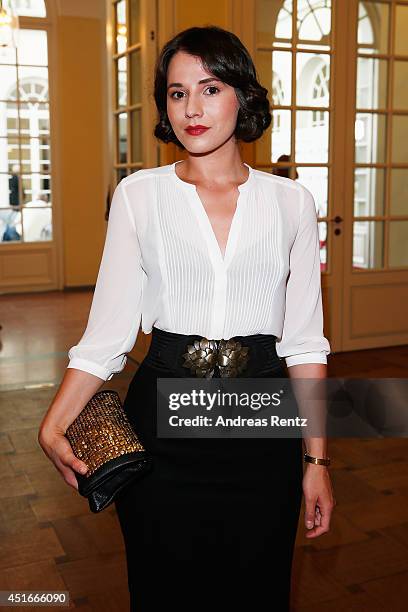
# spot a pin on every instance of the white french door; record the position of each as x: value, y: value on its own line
x: 336, y: 74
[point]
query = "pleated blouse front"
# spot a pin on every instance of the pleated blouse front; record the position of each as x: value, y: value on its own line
x: 162, y: 265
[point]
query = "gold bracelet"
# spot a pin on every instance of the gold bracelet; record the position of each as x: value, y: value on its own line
x: 316, y: 460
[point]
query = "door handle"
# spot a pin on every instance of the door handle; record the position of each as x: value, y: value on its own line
x: 337, y: 219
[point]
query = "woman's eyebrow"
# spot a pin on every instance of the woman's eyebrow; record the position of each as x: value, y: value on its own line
x: 208, y: 80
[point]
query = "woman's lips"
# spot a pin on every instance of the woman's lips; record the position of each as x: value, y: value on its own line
x: 196, y: 131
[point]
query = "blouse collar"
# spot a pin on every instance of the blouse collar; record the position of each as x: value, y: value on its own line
x: 241, y: 187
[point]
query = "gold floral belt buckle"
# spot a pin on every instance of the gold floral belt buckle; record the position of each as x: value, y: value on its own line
x: 208, y: 358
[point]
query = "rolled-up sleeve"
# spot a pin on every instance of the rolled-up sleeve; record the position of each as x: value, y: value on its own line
x: 115, y: 313
x: 302, y: 338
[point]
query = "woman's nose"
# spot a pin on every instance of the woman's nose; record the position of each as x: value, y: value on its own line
x: 193, y: 107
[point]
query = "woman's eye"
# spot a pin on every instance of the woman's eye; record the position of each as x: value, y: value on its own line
x: 175, y: 92
x: 213, y: 87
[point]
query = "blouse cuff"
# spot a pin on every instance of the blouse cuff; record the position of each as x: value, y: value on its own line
x: 90, y: 367
x: 306, y: 358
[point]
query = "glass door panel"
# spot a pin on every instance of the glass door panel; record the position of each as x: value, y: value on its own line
x: 25, y: 150
x: 381, y: 136
x: 128, y: 87
x: 293, y: 59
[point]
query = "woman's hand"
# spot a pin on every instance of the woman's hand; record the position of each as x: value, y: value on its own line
x: 58, y: 449
x: 319, y: 499
x: 74, y: 392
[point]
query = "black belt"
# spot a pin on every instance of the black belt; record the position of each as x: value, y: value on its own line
x: 195, y: 356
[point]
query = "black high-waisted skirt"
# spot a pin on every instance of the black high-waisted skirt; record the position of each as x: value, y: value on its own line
x: 212, y: 526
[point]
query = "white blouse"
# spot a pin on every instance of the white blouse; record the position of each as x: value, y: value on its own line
x: 162, y: 265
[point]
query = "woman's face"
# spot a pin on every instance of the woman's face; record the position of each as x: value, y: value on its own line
x: 212, y: 104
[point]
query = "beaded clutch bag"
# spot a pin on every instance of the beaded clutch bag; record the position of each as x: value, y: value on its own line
x: 104, y: 439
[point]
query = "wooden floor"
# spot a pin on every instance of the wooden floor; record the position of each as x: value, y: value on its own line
x: 49, y: 540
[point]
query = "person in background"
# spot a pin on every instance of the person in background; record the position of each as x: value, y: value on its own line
x: 284, y: 170
x: 10, y: 217
x: 14, y: 181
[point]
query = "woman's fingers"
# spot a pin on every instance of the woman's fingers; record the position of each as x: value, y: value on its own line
x: 59, y: 451
x: 310, y: 512
x: 319, y: 500
x: 321, y: 521
x: 67, y: 457
x: 67, y: 473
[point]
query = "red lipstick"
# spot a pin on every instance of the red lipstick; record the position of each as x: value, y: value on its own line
x: 196, y: 130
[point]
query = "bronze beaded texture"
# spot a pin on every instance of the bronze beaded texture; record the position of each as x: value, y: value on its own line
x: 102, y: 431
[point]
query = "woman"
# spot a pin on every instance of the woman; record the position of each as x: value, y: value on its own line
x: 202, y: 250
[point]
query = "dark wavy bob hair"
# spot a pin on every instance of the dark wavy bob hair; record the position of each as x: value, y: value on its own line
x: 223, y: 55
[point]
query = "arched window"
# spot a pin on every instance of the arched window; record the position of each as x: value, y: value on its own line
x: 319, y: 92
x: 314, y: 19
x: 278, y: 97
x: 25, y: 159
